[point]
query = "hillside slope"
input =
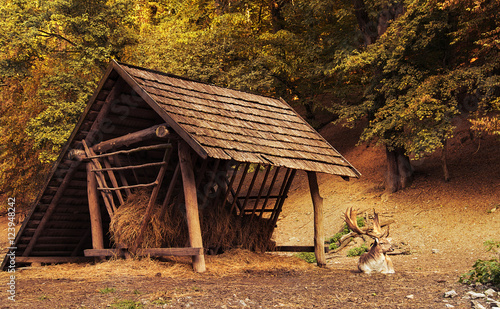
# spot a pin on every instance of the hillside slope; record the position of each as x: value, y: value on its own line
x: 452, y: 217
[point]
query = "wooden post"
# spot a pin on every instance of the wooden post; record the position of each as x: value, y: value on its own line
x: 191, y: 200
x: 106, y: 195
x: 319, y: 233
x: 94, y: 209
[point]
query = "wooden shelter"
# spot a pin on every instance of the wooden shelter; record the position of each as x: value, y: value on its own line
x: 197, y: 146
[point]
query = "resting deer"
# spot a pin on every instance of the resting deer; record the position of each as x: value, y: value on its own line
x: 375, y: 260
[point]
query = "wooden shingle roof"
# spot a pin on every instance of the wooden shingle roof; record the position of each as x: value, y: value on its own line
x: 229, y: 124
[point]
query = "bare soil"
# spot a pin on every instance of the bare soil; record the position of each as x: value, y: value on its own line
x: 442, y: 225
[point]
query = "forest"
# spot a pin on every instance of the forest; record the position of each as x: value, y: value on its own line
x: 403, y: 69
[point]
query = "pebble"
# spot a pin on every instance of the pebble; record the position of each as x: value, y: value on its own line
x: 411, y: 296
x: 490, y: 293
x: 449, y: 306
x: 475, y: 295
x: 493, y: 302
x: 450, y: 294
x: 477, y: 305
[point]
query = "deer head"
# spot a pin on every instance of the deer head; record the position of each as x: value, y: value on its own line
x: 376, y: 259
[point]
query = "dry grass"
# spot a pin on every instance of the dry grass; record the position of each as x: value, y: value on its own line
x: 234, y: 262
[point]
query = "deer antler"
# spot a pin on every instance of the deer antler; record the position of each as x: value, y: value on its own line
x: 351, y: 221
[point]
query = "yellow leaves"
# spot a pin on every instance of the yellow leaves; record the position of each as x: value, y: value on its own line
x: 488, y: 125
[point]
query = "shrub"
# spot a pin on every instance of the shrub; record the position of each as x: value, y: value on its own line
x: 309, y: 257
x: 485, y: 272
x: 127, y: 304
x: 357, y: 251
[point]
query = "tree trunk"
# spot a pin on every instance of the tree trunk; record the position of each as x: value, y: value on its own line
x: 368, y: 28
x: 399, y: 170
x: 277, y: 20
x: 444, y: 161
x: 373, y: 28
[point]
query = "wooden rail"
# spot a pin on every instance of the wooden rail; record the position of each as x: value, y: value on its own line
x: 154, y: 252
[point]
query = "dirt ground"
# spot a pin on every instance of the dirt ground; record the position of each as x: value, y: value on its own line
x: 442, y: 225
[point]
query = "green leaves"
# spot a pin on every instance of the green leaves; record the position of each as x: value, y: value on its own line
x: 52, y: 55
x: 411, y: 84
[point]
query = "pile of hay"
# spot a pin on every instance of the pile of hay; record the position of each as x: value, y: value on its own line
x: 221, y: 230
x: 126, y: 222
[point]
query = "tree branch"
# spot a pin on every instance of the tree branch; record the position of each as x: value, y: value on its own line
x: 58, y: 36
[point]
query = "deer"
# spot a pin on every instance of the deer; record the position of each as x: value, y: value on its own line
x: 376, y: 259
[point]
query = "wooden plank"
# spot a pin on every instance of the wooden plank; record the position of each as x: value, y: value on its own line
x: 191, y: 200
x: 230, y: 183
x: 249, y: 190
x: 297, y: 248
x: 275, y: 214
x: 319, y: 230
x: 51, y: 208
x: 154, y: 252
x: 94, y: 209
x: 123, y: 168
x: 144, y: 148
x: 112, y: 177
x: 104, y: 252
x: 284, y: 195
x: 269, y: 191
x: 52, y: 259
x: 141, y: 185
x: 170, y: 191
x: 123, y: 179
x: 261, y: 190
x: 256, y: 197
x: 240, y: 185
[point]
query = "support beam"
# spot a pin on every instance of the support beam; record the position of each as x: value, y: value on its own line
x: 157, y: 131
x: 94, y: 209
x: 52, y: 259
x: 106, y: 195
x: 319, y: 231
x: 153, y: 252
x: 191, y: 200
x: 170, y: 191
